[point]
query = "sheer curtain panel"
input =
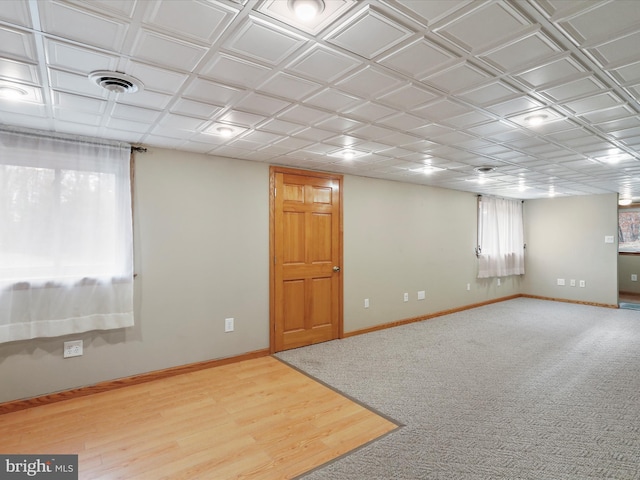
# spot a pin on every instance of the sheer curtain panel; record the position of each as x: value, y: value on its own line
x: 66, y: 250
x: 500, y: 237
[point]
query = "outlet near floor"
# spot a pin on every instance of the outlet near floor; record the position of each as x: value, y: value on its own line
x: 72, y: 348
x: 228, y: 325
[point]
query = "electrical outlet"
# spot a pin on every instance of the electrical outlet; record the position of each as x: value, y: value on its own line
x: 634, y: 277
x: 421, y: 295
x: 561, y: 282
x: 582, y: 283
x: 72, y: 348
x: 406, y: 297
x: 228, y: 325
x: 572, y: 282
x: 499, y: 282
x: 468, y: 287
x: 366, y: 303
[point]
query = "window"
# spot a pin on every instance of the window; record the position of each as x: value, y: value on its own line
x: 500, y: 248
x: 629, y: 230
x: 65, y: 236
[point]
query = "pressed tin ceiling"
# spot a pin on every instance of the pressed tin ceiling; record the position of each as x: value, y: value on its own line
x: 415, y: 91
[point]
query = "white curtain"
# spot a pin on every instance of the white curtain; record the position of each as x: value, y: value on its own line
x: 500, y: 237
x: 66, y: 250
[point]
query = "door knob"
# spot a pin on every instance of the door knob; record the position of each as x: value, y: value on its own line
x: 336, y: 268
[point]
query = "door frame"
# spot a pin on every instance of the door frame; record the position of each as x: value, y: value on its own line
x: 273, y: 170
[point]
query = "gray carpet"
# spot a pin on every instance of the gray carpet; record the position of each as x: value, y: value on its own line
x: 523, y: 389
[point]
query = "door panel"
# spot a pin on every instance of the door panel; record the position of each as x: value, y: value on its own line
x: 293, y: 308
x: 306, y: 244
x: 321, y: 290
x: 320, y: 249
x: 322, y: 195
x: 294, y: 235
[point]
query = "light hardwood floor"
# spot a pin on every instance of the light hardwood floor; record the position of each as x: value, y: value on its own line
x: 256, y: 419
x: 629, y: 297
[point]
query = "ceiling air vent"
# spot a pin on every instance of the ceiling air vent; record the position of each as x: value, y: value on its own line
x: 485, y: 169
x: 115, y: 81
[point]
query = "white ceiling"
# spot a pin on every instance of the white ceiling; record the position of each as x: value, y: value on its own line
x: 403, y: 84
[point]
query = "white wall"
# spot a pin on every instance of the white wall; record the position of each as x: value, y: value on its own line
x: 565, y: 239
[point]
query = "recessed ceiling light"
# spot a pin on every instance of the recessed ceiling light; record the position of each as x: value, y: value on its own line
x: 306, y: 10
x: 615, y: 155
x: 116, y: 82
x: 427, y: 169
x: 625, y: 200
x: 535, y: 120
x: 11, y: 93
x: 348, y: 154
x: 480, y: 179
x: 224, y: 131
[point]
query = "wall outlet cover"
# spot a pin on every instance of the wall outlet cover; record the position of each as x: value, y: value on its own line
x: 228, y: 325
x: 73, y: 349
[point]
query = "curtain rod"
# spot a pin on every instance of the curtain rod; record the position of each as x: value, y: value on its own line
x: 66, y: 137
x: 479, y: 195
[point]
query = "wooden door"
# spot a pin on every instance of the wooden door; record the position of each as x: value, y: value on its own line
x: 306, y: 249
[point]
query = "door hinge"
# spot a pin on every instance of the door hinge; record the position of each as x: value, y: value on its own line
x: 274, y: 259
x: 275, y: 192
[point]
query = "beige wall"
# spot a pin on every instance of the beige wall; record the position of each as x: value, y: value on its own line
x: 201, y: 244
x: 565, y: 239
x: 627, y: 265
x: 401, y: 238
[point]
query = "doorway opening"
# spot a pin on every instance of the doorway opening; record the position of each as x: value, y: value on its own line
x: 629, y: 256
